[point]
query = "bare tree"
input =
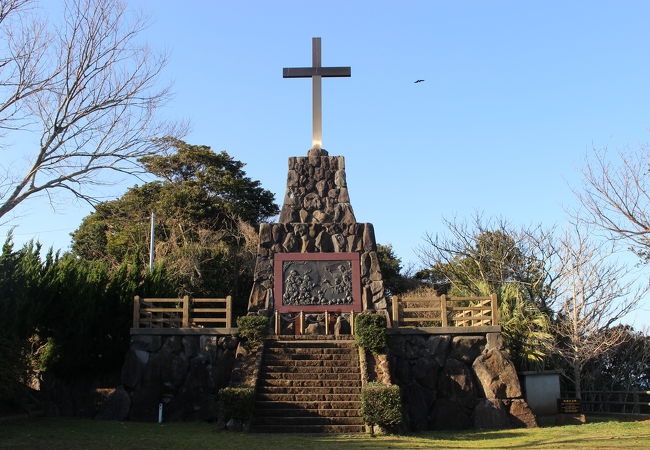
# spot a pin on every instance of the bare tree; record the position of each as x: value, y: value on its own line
x: 593, y: 295
x: 85, y: 87
x: 616, y: 198
x: 493, y: 252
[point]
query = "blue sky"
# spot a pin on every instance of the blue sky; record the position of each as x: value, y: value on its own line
x: 516, y: 96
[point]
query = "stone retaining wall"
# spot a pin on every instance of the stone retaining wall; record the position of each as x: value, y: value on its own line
x: 457, y: 382
x: 182, y: 372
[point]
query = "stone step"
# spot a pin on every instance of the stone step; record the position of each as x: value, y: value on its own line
x: 281, y: 354
x: 311, y: 375
x: 307, y: 420
x: 311, y: 362
x: 305, y: 397
x: 278, y: 382
x: 310, y: 350
x: 310, y: 337
x: 311, y: 369
x: 308, y: 390
x: 311, y: 344
x: 302, y: 412
x: 307, y: 405
x: 309, y: 429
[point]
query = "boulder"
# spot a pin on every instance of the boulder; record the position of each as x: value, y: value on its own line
x: 521, y: 415
x: 467, y: 348
x: 417, y: 403
x: 234, y: 425
x: 146, y: 343
x: 494, y: 341
x: 425, y: 372
x: 456, y: 383
x: 133, y: 368
x: 437, y: 347
x: 314, y: 328
x: 116, y: 406
x: 490, y: 413
x: 497, y: 375
x: 341, y: 326
x: 144, y: 403
x: 449, y: 415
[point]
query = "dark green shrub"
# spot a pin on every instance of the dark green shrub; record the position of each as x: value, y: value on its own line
x: 381, y: 405
x: 14, y: 369
x: 237, y: 403
x: 252, y: 330
x: 370, y: 332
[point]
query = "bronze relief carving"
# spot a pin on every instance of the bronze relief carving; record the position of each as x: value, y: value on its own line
x: 317, y: 283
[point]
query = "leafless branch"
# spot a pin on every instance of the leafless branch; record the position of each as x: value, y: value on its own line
x: 616, y: 198
x: 90, y: 89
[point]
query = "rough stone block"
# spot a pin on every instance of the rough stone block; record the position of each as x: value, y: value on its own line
x: 521, y: 415
x: 116, y: 406
x: 490, y: 413
x: 494, y: 341
x: 146, y: 343
x: 467, y: 348
x: 497, y: 375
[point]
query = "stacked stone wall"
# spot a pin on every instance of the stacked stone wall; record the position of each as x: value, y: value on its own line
x: 317, y: 238
x: 317, y: 191
x: 457, y: 382
x: 182, y: 372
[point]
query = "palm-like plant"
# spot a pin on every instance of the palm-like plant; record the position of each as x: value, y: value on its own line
x: 525, y: 327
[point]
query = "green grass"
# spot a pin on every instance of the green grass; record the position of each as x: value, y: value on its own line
x: 88, y: 434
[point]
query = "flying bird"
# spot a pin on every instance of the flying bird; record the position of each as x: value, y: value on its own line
x: 418, y: 81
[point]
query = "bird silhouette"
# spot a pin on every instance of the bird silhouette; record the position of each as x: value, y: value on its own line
x: 418, y: 81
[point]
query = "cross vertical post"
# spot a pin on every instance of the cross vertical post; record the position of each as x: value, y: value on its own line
x: 317, y: 106
x: 316, y: 72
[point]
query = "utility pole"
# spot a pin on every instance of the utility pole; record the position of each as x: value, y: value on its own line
x: 151, y: 242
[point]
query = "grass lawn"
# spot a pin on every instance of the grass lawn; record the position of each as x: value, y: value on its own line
x: 54, y: 433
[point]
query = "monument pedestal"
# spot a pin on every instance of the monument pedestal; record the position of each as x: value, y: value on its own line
x: 317, y: 218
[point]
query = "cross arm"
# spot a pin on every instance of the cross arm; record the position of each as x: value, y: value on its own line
x: 307, y: 72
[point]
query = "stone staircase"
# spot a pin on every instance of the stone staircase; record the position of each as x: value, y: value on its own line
x: 309, y: 384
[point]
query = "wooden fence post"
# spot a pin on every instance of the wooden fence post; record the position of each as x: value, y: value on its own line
x: 395, y: 311
x: 186, y: 312
x: 229, y: 312
x: 327, y: 323
x: 495, y: 309
x: 136, y: 311
x: 302, y: 322
x: 352, y: 330
x: 443, y: 310
x: 276, y: 322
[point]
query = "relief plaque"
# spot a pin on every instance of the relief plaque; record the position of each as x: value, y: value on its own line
x: 317, y: 282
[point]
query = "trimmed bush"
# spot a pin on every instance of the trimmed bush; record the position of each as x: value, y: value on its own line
x: 381, y: 405
x: 252, y: 330
x: 370, y: 332
x: 237, y: 403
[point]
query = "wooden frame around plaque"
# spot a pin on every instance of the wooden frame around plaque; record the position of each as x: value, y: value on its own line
x: 278, y: 263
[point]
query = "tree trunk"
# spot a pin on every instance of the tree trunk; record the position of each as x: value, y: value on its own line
x: 576, y: 380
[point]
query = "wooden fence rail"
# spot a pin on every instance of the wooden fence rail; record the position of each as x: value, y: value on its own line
x: 444, y: 311
x: 186, y: 312
x: 615, y: 402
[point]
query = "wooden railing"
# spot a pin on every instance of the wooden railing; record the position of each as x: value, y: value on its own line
x: 186, y: 312
x: 444, y: 311
x: 615, y: 402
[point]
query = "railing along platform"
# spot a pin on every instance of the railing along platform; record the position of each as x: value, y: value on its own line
x: 167, y: 314
x: 445, y: 312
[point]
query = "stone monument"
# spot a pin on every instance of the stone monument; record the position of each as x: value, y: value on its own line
x: 317, y: 257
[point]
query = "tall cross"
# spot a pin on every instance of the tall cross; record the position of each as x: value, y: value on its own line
x: 316, y: 72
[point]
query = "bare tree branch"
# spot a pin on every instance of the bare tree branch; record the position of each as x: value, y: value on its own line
x: 593, y: 295
x: 89, y: 88
x: 616, y: 198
